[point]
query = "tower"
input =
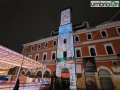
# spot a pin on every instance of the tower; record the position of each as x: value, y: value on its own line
x: 65, y: 48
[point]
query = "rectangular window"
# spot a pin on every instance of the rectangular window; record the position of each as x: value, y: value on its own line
x: 89, y: 36
x: 76, y: 38
x: 32, y: 47
x: 65, y: 54
x: 36, y: 57
x: 103, y: 33
x: 39, y: 46
x: 44, y: 56
x: 46, y: 44
x: 54, y: 43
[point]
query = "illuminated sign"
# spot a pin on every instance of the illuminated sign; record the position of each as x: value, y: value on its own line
x: 89, y: 64
x: 65, y: 75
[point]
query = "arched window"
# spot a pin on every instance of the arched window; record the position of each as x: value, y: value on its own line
x: 92, y: 51
x: 65, y: 41
x: 109, y: 50
x: 89, y: 36
x: 78, y: 53
x: 44, y: 57
x: 23, y: 72
x: 104, y: 72
x: 76, y: 38
x: 39, y: 73
x: 53, y: 56
x: 36, y: 57
x: 28, y: 73
x: 118, y: 30
x: 104, y: 34
x: 46, y: 73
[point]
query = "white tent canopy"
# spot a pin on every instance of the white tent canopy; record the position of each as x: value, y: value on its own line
x: 10, y: 59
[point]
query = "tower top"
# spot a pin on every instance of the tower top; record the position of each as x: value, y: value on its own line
x: 65, y: 16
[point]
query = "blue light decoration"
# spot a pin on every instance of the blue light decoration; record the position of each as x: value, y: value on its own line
x: 65, y: 32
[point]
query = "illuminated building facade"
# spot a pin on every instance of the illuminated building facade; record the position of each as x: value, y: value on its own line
x: 81, y: 55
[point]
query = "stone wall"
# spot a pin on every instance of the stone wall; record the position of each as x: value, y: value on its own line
x: 115, y: 79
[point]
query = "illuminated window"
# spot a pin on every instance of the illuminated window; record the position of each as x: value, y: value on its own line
x: 118, y: 29
x: 39, y: 46
x: 44, y: 56
x: 32, y: 47
x: 65, y: 41
x: 46, y: 44
x: 54, y: 43
x: 89, y: 36
x: 104, y: 33
x: 30, y: 56
x: 92, y: 50
x: 36, y: 57
x: 109, y: 48
x: 53, y: 55
x: 76, y: 38
x: 65, y: 54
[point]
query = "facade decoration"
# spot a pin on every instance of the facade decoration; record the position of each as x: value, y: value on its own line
x: 72, y: 46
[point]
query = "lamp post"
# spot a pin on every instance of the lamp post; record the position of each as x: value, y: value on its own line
x: 43, y: 66
x: 17, y: 79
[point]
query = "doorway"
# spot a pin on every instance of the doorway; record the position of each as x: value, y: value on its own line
x: 105, y: 80
x: 90, y: 81
x: 65, y: 78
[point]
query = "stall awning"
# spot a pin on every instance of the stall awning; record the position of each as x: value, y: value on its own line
x: 10, y: 59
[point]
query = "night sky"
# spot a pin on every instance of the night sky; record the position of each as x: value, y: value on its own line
x: 24, y: 21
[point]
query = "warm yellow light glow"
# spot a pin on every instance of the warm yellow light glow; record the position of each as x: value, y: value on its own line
x: 10, y: 59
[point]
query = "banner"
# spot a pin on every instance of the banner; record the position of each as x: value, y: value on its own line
x: 89, y: 64
x: 65, y: 75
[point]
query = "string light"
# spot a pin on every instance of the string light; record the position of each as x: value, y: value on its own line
x: 10, y: 59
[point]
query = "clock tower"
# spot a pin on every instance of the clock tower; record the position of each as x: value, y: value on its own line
x: 65, y: 49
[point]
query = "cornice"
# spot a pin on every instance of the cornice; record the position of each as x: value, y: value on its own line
x: 101, y: 58
x: 99, y: 40
x: 99, y: 27
x: 40, y: 41
x: 40, y: 50
x: 101, y: 61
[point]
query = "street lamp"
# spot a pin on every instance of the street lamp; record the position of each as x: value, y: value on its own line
x: 43, y: 67
x: 17, y: 79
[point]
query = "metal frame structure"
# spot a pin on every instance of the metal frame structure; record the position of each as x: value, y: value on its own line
x: 10, y: 59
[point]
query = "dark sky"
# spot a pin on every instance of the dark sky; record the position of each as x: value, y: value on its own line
x: 23, y: 21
